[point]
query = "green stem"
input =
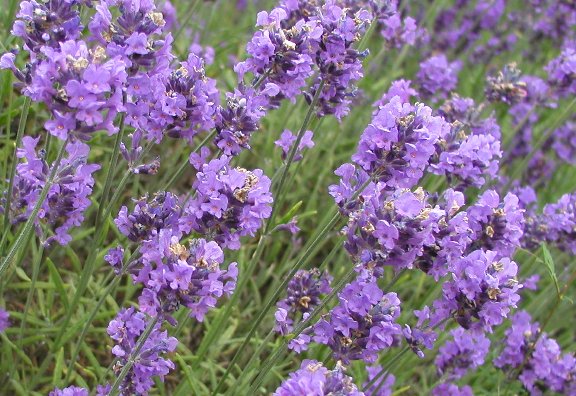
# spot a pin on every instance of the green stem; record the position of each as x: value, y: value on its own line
x: 291, y: 154
x: 35, y: 271
x: 110, y: 175
x: 19, y: 134
x: 29, y: 226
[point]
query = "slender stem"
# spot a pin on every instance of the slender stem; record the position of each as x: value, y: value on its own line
x: 110, y: 175
x: 291, y: 155
x: 133, y: 356
x: 28, y: 227
x: 19, y: 134
x: 41, y: 256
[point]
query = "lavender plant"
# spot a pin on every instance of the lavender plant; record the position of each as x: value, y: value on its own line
x: 294, y: 197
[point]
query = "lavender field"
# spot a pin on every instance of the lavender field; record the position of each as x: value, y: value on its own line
x: 288, y: 197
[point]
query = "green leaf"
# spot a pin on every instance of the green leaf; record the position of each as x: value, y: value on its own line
x: 549, y: 262
x: 22, y: 275
x: 58, y: 283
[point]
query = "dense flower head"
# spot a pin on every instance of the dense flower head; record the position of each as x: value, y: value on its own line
x: 125, y: 330
x: 542, y: 363
x: 466, y: 351
x: 302, y: 295
x: 4, y: 320
x: 362, y: 324
x: 47, y: 23
x: 314, y: 379
x: 437, y: 76
x: 506, y: 86
x: 497, y: 225
x: 178, y: 104
x: 339, y: 64
x: 397, y: 145
x: 229, y: 202
x: 280, y: 52
x: 240, y: 117
x: 451, y: 236
x: 562, y: 72
x: 391, y: 231
x: 81, y: 86
x: 480, y: 293
x: 68, y: 196
x: 466, y: 158
x: 465, y: 111
x: 559, y: 220
x: 189, y: 276
x: 149, y: 217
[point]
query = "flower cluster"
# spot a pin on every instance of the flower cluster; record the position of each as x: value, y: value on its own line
x: 506, y: 86
x: 467, y: 350
x: 391, y: 231
x: 397, y: 145
x: 126, y: 330
x: 316, y: 380
x: 437, y: 76
x: 191, y: 277
x: 362, y: 324
x: 302, y: 295
x: 229, y: 203
x: 542, y: 364
x: 469, y: 153
x: 496, y: 225
x: 481, y: 292
x: 68, y: 196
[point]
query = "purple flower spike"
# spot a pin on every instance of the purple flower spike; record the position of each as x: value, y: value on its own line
x: 437, y: 76
x: 230, y: 203
x: 362, y: 324
x: 125, y: 330
x: 67, y: 199
x: 397, y: 145
x: 466, y: 351
x: 303, y: 295
x: 313, y: 379
x: 481, y: 292
x: 70, y: 391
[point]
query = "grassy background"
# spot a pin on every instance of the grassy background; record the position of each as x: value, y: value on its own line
x: 39, y: 291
